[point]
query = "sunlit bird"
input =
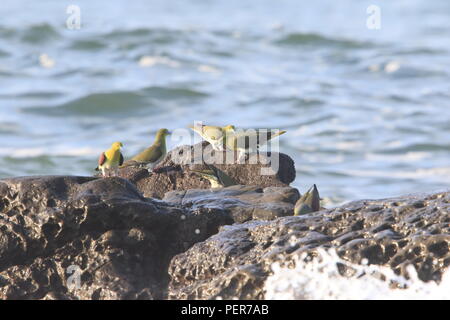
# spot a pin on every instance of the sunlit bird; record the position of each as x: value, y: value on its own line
x: 152, y: 155
x: 249, y: 140
x: 110, y: 160
x: 213, y: 134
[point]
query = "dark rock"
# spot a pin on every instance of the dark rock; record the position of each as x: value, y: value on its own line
x: 57, y: 232
x: 174, y: 172
x: 236, y: 262
x: 242, y: 203
x: 104, y: 231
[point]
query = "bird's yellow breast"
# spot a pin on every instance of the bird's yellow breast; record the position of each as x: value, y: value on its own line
x: 112, y: 157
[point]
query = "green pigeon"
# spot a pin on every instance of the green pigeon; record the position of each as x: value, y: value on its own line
x: 216, y: 177
x: 309, y: 202
x: 213, y: 134
x: 110, y: 160
x: 249, y: 140
x: 152, y: 155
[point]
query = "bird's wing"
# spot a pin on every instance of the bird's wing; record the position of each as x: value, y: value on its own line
x: 198, y: 129
x: 130, y: 163
x: 225, y: 179
x: 102, y: 159
x: 250, y: 139
x: 213, y: 133
x: 242, y: 140
x: 121, y: 159
x: 273, y: 134
x: 222, y: 177
x: 150, y: 154
x: 209, y: 133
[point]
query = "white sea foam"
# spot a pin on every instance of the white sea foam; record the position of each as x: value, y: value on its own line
x: 406, y: 157
x: 150, y: 61
x: 320, y: 279
x: 39, y: 152
x: 392, y: 66
x: 46, y: 61
x: 208, y: 69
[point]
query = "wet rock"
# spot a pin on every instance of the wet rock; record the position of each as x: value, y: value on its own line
x: 88, y: 238
x: 242, y: 203
x: 236, y: 262
x: 174, y: 172
x: 51, y: 227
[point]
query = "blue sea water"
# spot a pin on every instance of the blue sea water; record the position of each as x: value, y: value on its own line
x: 367, y: 112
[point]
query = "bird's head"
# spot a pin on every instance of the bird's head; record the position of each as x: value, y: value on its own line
x: 229, y: 128
x: 208, y: 174
x: 117, y: 145
x: 162, y: 133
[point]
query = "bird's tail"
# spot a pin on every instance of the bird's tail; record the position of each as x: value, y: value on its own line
x: 195, y: 128
x: 207, y: 173
x: 279, y: 133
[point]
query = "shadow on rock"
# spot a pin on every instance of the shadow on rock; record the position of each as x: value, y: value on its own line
x: 174, y: 172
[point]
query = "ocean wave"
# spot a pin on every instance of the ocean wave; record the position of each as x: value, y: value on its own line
x: 438, y: 174
x: 299, y: 39
x: 411, y: 156
x: 321, y: 279
x: 296, y: 101
x: 150, y: 61
x: 4, y: 53
x: 41, y: 152
x: 173, y: 93
x: 34, y: 95
x: 9, y: 128
x: 398, y: 147
x: 39, y: 33
x: 152, y: 35
x: 6, y: 33
x: 401, y: 69
x: 5, y: 73
x: 107, y: 104
x: 116, y: 103
x: 87, y: 45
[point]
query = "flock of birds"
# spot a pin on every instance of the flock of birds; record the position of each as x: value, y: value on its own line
x: 221, y: 139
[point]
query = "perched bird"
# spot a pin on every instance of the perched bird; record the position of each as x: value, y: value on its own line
x: 216, y: 177
x: 110, y: 160
x: 213, y: 134
x: 249, y: 140
x: 309, y: 202
x: 153, y: 154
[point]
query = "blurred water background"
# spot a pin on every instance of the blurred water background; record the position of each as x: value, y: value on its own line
x: 367, y: 111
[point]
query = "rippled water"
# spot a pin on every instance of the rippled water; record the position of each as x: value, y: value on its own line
x: 367, y: 111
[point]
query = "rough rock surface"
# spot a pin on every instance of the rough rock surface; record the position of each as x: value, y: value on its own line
x: 394, y: 232
x: 118, y: 242
x: 242, y: 203
x: 198, y: 244
x: 174, y: 172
